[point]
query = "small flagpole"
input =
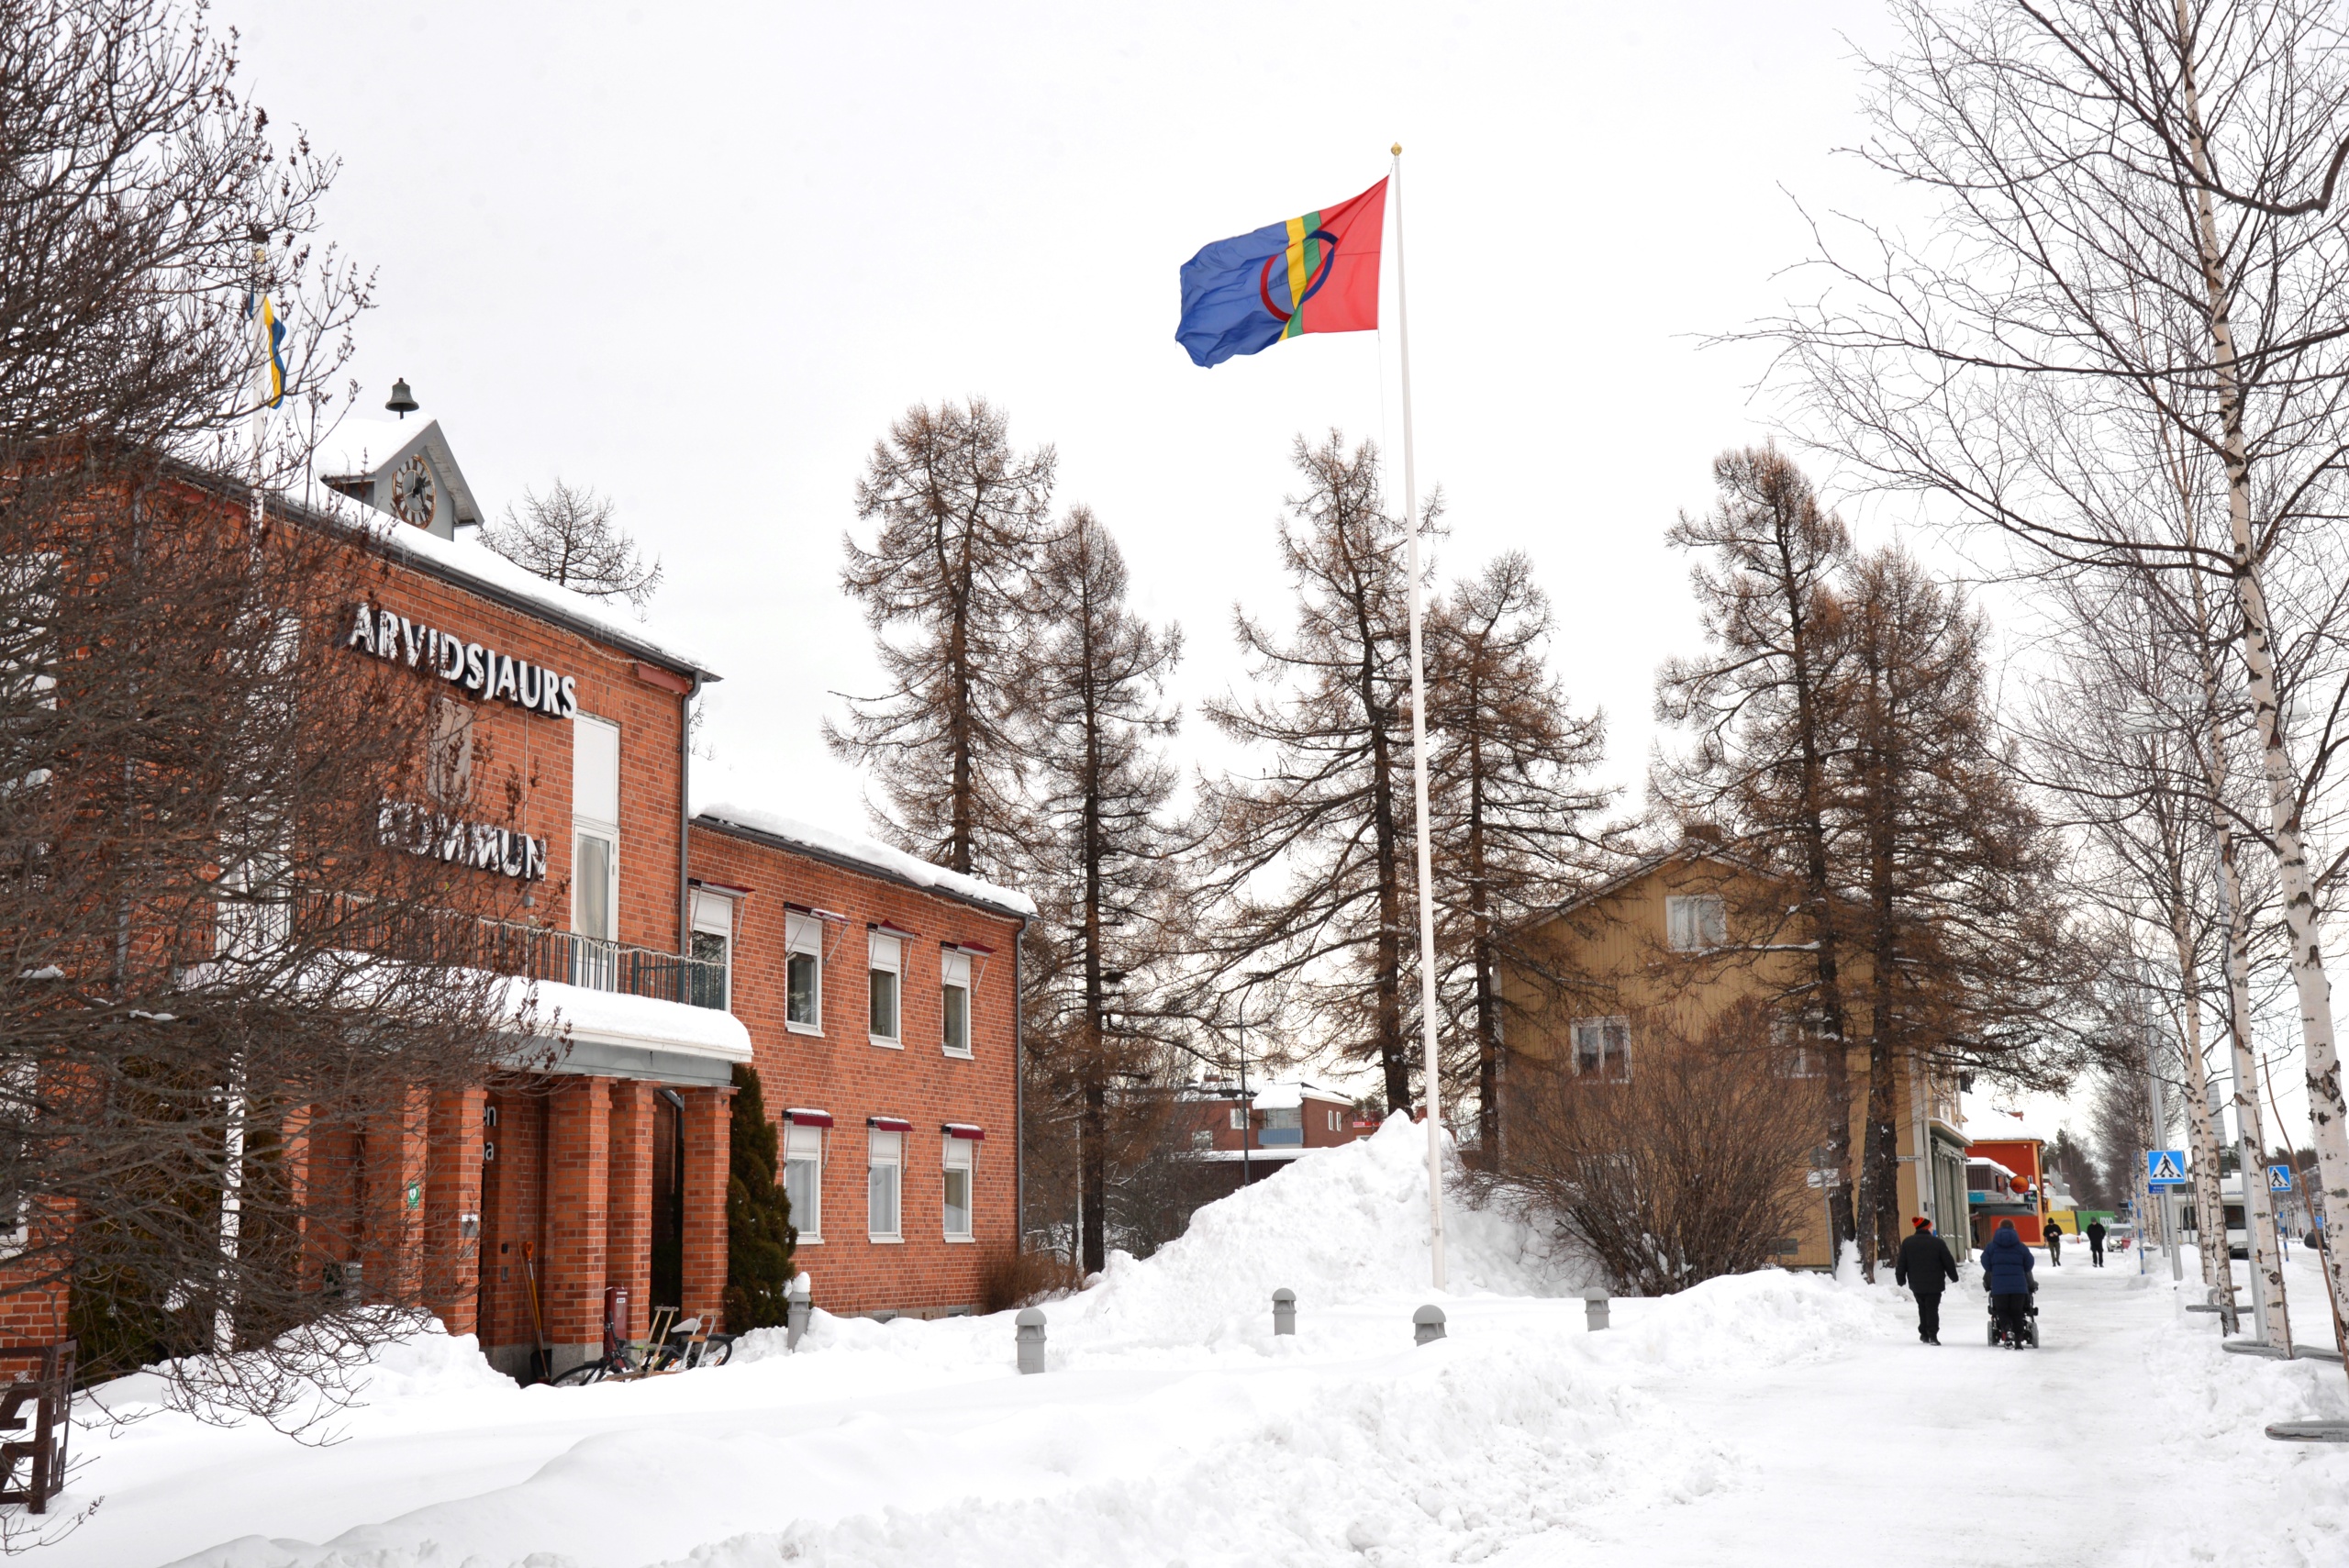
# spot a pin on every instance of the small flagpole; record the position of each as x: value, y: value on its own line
x: 1420, y: 766
x: 261, y: 339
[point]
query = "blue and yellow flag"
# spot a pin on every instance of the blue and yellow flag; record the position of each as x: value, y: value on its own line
x: 276, y: 331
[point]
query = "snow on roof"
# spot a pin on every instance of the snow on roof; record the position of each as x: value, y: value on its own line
x: 1280, y: 1096
x: 467, y: 559
x: 611, y: 1017
x: 848, y: 846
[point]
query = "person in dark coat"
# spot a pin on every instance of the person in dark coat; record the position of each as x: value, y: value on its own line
x: 2006, y: 1274
x: 2055, y: 1234
x: 1924, y: 1265
x: 2095, y: 1243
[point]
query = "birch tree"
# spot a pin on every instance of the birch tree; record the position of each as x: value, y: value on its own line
x: 2136, y: 217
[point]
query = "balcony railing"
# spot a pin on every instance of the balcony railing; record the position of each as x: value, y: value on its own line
x: 531, y: 953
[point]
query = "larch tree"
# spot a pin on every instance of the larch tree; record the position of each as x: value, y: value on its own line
x: 1106, y: 850
x: 1512, y: 803
x: 961, y: 516
x: 1757, y: 708
x: 571, y: 536
x: 1312, y: 856
x: 1970, y: 962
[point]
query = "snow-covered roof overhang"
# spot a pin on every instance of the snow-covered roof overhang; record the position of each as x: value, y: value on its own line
x: 852, y: 853
x: 607, y: 1032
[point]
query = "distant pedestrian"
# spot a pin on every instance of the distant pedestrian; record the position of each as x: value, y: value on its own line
x: 2006, y: 1274
x: 1925, y: 1266
x: 2054, y: 1243
x: 2095, y: 1243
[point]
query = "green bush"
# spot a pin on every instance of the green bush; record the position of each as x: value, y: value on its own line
x: 760, y: 1237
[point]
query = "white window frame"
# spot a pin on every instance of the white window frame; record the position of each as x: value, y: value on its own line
x: 714, y: 917
x: 884, y: 1150
x: 1614, y: 1040
x: 1240, y: 1118
x: 885, y: 954
x: 804, y: 1146
x: 589, y: 824
x: 22, y: 1081
x: 953, y: 974
x: 803, y: 937
x: 1333, y: 1121
x: 1695, y: 922
x: 959, y: 1157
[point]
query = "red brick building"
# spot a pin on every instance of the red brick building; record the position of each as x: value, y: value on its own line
x: 1262, y: 1131
x: 558, y: 761
x: 882, y: 998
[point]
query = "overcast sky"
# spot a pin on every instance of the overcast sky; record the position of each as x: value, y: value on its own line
x: 698, y: 256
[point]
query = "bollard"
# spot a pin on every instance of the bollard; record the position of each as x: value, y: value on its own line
x: 1284, y: 1311
x: 796, y: 1308
x: 1427, y: 1324
x: 1594, y: 1307
x: 1031, y: 1339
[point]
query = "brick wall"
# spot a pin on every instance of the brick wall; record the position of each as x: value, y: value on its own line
x: 842, y: 1072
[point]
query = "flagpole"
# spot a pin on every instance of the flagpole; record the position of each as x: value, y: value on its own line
x: 1419, y: 765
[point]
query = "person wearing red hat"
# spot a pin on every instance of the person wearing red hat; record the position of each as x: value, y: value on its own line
x: 1924, y: 1265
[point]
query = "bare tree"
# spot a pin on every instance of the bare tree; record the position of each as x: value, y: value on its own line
x: 570, y: 538
x: 1757, y: 707
x: 1331, y: 815
x: 2134, y: 221
x: 1690, y: 1169
x: 961, y: 516
x: 1512, y: 804
x: 1108, y: 853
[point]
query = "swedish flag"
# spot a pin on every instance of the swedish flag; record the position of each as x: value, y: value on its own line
x: 273, y: 331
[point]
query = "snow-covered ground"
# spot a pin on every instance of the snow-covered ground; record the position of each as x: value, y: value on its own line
x: 1766, y: 1420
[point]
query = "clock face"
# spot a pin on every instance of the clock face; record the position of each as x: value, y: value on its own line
x: 414, y: 497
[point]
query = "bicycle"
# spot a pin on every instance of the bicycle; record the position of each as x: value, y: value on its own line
x: 673, y: 1346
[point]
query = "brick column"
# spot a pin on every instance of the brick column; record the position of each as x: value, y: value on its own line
x: 393, y: 1246
x: 628, y: 1221
x: 452, y: 1190
x: 708, y: 1147
x: 578, y: 1180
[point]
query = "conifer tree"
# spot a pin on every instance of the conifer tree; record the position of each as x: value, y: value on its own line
x: 1512, y: 807
x: 1331, y: 810
x: 961, y: 516
x: 759, y: 1237
x: 1106, y: 853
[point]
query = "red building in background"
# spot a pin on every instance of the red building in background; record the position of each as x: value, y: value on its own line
x: 2004, y: 1179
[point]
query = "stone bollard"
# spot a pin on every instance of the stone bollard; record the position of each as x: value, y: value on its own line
x: 1594, y: 1307
x: 1427, y: 1324
x: 796, y: 1304
x: 1284, y: 1311
x: 1031, y: 1339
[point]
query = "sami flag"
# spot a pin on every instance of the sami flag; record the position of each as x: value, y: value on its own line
x: 1314, y: 273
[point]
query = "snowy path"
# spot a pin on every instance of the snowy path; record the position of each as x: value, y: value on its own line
x: 2080, y: 1453
x: 1764, y: 1419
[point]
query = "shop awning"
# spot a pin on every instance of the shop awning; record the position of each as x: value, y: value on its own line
x: 800, y: 1116
x: 965, y: 1130
x: 888, y: 1124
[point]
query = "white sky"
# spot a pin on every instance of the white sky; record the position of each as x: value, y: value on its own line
x: 699, y: 256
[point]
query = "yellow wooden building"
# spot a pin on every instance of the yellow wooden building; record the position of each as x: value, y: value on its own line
x: 1666, y: 948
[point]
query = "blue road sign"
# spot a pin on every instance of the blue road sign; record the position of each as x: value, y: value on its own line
x: 2165, y: 1167
x: 2279, y: 1178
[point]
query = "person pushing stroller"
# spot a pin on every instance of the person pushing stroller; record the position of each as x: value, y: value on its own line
x: 2006, y: 1276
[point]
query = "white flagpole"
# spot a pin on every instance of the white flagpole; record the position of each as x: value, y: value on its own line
x: 1434, y: 1095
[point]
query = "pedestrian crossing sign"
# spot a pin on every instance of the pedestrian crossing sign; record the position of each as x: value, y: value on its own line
x: 2279, y: 1178
x: 2165, y: 1167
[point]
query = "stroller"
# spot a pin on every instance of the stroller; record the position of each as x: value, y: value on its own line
x: 2027, y: 1337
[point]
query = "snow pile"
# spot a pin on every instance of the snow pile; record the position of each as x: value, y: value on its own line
x: 423, y: 1367
x: 1442, y: 1455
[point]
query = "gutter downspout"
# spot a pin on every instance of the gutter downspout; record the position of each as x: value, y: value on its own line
x: 684, y: 829
x: 1018, y: 1096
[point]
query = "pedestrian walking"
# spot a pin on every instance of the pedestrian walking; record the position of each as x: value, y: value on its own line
x: 2095, y: 1243
x: 2006, y: 1274
x: 1924, y: 1265
x: 2054, y: 1243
